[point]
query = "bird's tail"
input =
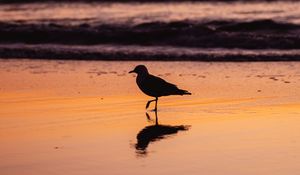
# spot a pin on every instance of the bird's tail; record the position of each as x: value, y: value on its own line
x: 184, y: 92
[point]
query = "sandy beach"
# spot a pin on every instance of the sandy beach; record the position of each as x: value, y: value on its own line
x: 83, y: 117
x: 68, y: 105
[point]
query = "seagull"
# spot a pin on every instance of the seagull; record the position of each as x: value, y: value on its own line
x: 155, y: 86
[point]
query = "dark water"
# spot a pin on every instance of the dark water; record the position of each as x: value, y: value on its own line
x: 236, y: 31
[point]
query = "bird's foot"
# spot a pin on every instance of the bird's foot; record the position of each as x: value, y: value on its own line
x: 154, y: 110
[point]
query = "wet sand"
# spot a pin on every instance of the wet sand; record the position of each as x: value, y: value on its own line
x: 83, y: 117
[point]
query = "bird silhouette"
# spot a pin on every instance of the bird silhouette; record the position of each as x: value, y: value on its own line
x: 155, y: 86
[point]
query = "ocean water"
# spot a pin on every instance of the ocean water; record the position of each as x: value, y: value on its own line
x: 207, y: 31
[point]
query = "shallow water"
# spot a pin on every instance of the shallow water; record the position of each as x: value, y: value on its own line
x: 79, y: 117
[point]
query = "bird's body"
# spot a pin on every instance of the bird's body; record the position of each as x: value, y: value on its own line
x: 155, y: 86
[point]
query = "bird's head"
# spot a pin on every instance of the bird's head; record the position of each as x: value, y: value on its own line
x: 140, y: 69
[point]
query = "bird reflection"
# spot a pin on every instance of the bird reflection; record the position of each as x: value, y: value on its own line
x: 154, y: 133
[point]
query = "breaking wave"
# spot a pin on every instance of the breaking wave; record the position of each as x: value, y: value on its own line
x: 258, y: 34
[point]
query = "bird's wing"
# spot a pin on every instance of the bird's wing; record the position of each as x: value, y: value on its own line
x: 160, y: 86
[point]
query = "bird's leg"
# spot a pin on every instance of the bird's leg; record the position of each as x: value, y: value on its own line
x: 148, y: 116
x: 156, y: 118
x: 152, y: 120
x: 148, y: 103
x: 156, y: 99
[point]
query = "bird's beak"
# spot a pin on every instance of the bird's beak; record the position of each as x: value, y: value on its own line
x: 131, y: 71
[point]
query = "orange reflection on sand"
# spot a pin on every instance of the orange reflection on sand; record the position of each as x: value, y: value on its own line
x: 70, y: 119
